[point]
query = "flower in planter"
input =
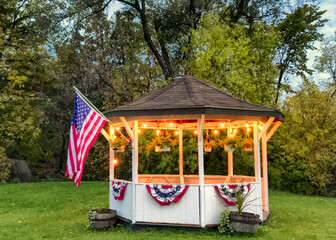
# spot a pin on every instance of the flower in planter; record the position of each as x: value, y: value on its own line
x: 247, y: 144
x: 231, y: 142
x: 209, y: 144
x: 163, y: 140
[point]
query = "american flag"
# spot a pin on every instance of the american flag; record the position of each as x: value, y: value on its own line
x: 86, y: 125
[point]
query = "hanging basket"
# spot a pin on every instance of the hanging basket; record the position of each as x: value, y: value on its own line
x: 165, y: 149
x: 228, y: 148
x: 248, y: 149
x: 207, y: 149
x: 122, y: 149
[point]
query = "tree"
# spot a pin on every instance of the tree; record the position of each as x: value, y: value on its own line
x: 327, y: 62
x: 299, y: 30
x: 302, y: 153
x: 233, y: 59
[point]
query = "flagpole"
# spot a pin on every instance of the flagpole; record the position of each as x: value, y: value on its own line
x: 87, y: 101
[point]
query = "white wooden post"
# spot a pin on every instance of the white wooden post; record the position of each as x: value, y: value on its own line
x: 200, y: 124
x: 265, y: 174
x: 135, y: 157
x: 257, y: 167
x: 181, y: 156
x: 111, y: 162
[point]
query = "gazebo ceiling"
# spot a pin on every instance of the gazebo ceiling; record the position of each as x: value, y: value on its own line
x: 190, y: 96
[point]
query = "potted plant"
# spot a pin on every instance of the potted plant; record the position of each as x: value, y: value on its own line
x: 162, y: 142
x: 209, y: 144
x: 244, y: 222
x: 102, y: 219
x: 247, y: 144
x: 230, y: 143
x: 119, y: 144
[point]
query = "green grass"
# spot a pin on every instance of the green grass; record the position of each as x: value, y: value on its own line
x: 59, y: 211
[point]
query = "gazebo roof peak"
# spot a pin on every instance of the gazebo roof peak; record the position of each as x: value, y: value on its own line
x: 189, y: 95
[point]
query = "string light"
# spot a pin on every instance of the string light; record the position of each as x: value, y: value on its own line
x: 216, y: 132
x: 235, y: 130
x: 158, y: 132
x: 170, y: 124
x: 111, y: 131
x: 118, y: 128
x: 176, y: 132
x: 261, y: 128
x: 248, y: 129
x: 139, y: 131
x: 115, y: 161
x: 247, y: 125
x: 222, y: 124
x: 145, y: 125
x: 195, y: 131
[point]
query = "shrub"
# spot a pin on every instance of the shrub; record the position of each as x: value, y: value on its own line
x: 224, y: 223
x: 5, y: 166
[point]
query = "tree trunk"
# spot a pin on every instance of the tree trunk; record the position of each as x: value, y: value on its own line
x: 279, y: 85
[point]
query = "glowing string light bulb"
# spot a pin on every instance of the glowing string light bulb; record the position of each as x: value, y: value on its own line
x: 158, y: 132
x: 115, y: 162
x: 118, y: 128
x: 139, y: 131
x: 176, y: 132
x: 145, y: 125
x: 216, y: 132
x: 195, y: 132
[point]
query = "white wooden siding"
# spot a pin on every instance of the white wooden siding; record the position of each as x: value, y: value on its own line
x: 214, y: 204
x: 186, y: 211
x: 123, y: 207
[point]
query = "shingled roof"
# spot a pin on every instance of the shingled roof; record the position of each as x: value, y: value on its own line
x: 189, y: 95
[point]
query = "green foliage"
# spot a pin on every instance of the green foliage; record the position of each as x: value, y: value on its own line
x: 302, y: 154
x: 224, y: 223
x: 299, y: 30
x: 232, y: 58
x: 5, y: 166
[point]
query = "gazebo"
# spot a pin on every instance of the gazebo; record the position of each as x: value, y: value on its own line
x: 191, y: 104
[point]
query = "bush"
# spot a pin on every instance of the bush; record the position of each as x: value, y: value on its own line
x: 224, y: 223
x: 5, y: 166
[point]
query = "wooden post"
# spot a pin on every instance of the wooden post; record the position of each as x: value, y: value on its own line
x: 257, y: 166
x: 230, y: 163
x: 181, y: 156
x: 135, y: 157
x: 200, y: 124
x: 265, y: 175
x: 230, y: 157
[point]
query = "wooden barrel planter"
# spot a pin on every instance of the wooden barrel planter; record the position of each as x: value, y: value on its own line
x: 245, y: 222
x: 102, y: 219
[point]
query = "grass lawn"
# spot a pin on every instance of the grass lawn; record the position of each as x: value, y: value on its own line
x: 59, y: 211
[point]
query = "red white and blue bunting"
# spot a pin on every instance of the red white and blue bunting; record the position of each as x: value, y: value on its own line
x: 227, y: 192
x: 166, y: 194
x: 118, y: 189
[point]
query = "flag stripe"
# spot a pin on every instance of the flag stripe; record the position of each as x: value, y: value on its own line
x: 81, y: 140
x: 89, y: 142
